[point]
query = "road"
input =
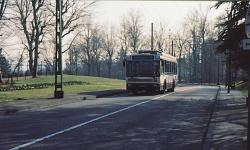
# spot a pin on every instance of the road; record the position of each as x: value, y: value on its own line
x: 171, y: 121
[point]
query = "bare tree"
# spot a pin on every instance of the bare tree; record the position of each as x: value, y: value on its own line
x: 197, y: 23
x: 134, y: 29
x: 109, y: 48
x: 96, y: 48
x: 123, y: 44
x: 85, y: 47
x: 181, y: 39
x: 31, y: 18
x: 123, y: 40
x: 48, y: 55
x: 72, y: 63
x: 3, y: 5
x: 73, y: 13
x: 160, y: 37
x: 18, y: 64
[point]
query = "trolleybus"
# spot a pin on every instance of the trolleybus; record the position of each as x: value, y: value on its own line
x: 151, y: 71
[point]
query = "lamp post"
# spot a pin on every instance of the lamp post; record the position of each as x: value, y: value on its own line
x: 0, y: 66
x: 58, y: 93
x: 218, y: 71
x: 247, y: 31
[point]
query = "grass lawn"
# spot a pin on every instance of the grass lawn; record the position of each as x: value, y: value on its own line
x: 95, y: 84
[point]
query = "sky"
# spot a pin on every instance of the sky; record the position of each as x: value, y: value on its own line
x: 172, y: 13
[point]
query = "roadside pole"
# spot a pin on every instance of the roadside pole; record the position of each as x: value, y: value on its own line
x: 229, y: 73
x: 245, y: 47
x: 172, y: 45
x: 248, y: 100
x: 58, y: 93
x: 228, y: 70
x: 152, y: 36
x: 218, y: 71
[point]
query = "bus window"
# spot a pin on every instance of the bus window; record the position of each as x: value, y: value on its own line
x: 175, y: 68
x: 171, y: 67
x: 162, y: 66
x: 167, y: 66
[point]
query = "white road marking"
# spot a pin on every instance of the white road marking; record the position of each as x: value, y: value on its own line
x: 87, y: 122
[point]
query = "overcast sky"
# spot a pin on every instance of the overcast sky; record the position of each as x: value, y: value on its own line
x: 172, y: 13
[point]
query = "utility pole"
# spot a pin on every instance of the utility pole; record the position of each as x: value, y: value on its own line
x: 247, y: 31
x: 172, y: 48
x: 152, y: 36
x: 41, y: 67
x: 218, y: 71
x: 58, y: 93
x: 76, y: 60
x: 229, y: 72
x: 248, y: 105
x: 169, y: 47
x: 194, y: 57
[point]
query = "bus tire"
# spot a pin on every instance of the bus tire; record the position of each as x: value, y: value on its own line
x: 173, y: 87
x: 164, y: 88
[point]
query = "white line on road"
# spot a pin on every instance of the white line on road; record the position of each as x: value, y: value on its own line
x: 85, y: 123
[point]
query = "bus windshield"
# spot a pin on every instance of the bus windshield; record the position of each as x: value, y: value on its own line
x: 142, y: 68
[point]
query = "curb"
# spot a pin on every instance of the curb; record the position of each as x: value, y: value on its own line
x: 111, y: 93
x: 6, y: 110
x: 205, y: 143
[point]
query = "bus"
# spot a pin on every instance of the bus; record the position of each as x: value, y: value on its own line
x: 153, y: 71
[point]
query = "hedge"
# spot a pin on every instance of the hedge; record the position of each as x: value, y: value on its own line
x: 38, y: 86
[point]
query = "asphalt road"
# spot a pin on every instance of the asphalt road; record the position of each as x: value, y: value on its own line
x: 171, y: 121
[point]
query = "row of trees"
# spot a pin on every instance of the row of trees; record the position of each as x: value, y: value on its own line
x: 98, y: 47
x: 99, y: 50
x: 231, y: 27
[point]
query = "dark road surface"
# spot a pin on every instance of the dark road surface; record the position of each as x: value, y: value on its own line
x: 173, y: 121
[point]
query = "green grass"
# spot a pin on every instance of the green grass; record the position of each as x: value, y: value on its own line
x: 95, y: 84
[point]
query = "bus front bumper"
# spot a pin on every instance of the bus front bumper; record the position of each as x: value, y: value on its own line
x: 142, y: 86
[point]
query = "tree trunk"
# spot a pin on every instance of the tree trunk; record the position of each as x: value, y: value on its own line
x: 1, y: 81
x: 98, y: 69
x: 88, y: 65
x: 194, y: 77
x: 179, y: 69
x: 30, y: 61
x: 109, y: 67
x: 179, y: 64
x: 34, y: 70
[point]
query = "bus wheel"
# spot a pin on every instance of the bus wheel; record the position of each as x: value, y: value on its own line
x: 173, y: 87
x: 164, y: 88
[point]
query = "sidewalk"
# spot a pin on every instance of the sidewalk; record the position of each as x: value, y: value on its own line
x: 9, y: 108
x: 228, y: 127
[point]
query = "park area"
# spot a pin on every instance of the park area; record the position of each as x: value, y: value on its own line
x: 43, y: 86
